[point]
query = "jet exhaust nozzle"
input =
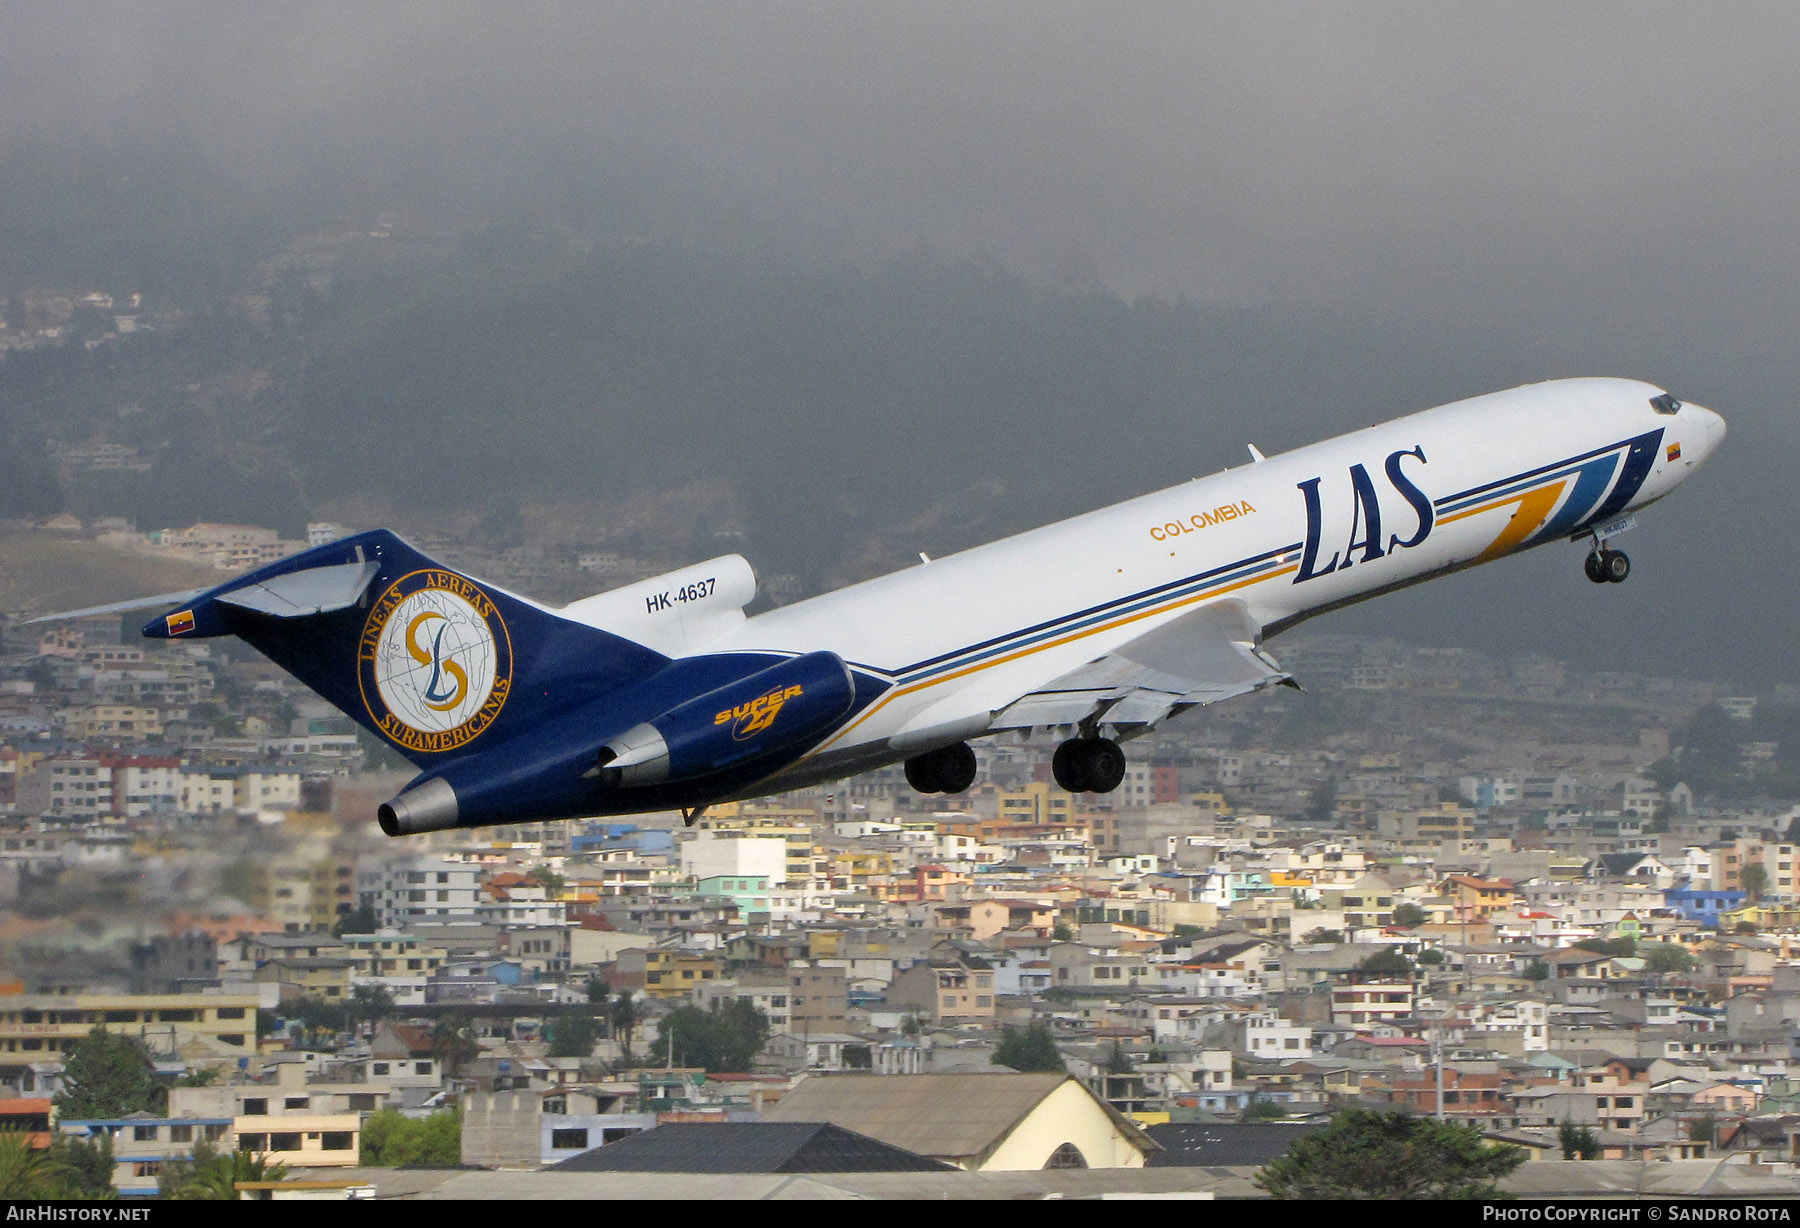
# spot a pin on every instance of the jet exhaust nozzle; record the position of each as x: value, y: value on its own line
x: 422, y: 808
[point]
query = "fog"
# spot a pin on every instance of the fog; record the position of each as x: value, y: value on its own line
x: 1493, y: 193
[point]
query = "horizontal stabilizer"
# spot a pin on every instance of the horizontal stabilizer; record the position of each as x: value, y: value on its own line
x: 317, y: 590
x: 122, y: 607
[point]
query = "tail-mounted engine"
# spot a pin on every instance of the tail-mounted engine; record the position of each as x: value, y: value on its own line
x: 776, y: 709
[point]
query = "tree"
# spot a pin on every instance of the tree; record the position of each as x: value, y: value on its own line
x: 1578, y: 1142
x: 1263, y: 1110
x: 316, y: 1014
x: 390, y: 1139
x: 624, y: 1015
x: 360, y: 920
x: 1755, y: 880
x: 1321, y: 802
x: 1029, y: 1049
x: 1432, y: 956
x: 454, y: 1045
x: 369, y: 1003
x: 1061, y: 932
x: 1537, y: 970
x: 84, y: 1166
x: 572, y: 1035
x: 1618, y: 948
x: 1118, y: 1061
x: 109, y: 1076
x: 1386, y: 962
x: 725, y: 1038
x: 211, y: 1175
x: 599, y: 993
x: 26, y: 1172
x: 1666, y: 957
x: 1392, y: 1156
x: 1409, y: 916
x: 1323, y: 935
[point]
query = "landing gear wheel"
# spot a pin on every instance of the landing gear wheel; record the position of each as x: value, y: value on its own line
x: 1595, y: 566
x: 1066, y: 766
x: 956, y: 768
x: 1105, y: 765
x: 921, y: 774
x: 1616, y: 565
x: 1088, y: 765
x: 949, y: 769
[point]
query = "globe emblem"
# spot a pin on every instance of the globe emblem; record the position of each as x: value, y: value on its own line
x: 435, y: 662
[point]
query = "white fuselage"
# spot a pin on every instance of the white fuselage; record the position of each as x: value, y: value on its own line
x: 1290, y: 536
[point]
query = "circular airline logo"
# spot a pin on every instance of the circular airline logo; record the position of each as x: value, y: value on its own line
x: 434, y: 662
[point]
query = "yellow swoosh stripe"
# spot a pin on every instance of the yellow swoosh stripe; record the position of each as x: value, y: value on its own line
x: 1535, y: 507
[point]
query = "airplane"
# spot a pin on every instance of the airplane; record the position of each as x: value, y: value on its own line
x: 664, y: 695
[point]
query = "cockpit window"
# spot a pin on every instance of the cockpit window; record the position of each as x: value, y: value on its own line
x: 1665, y: 404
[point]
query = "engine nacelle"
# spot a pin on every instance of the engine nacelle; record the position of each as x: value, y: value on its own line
x: 779, y: 708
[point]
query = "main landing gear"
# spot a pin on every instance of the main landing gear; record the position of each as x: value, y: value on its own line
x: 1088, y: 765
x: 1605, y: 566
x: 948, y: 769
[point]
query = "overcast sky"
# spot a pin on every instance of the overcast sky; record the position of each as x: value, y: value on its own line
x: 1584, y: 188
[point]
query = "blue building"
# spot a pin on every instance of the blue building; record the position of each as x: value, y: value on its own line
x: 1703, y: 906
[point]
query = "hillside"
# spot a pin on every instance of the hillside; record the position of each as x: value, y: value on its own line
x: 41, y: 573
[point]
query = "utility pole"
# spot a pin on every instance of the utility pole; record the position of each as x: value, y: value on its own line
x: 1437, y: 1053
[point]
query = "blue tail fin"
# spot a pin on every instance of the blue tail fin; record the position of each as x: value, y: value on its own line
x: 424, y: 657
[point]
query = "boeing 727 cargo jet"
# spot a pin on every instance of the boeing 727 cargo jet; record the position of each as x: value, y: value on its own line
x: 665, y: 695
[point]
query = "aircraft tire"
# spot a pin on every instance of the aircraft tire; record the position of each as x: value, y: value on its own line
x: 955, y: 767
x: 948, y: 769
x: 1595, y: 566
x: 922, y: 773
x: 1103, y: 765
x: 1088, y: 765
x: 1067, y: 766
x: 1617, y: 566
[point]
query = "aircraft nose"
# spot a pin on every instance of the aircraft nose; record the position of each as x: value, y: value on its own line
x: 1712, y: 429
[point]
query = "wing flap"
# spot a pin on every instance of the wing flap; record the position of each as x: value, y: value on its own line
x: 1202, y: 657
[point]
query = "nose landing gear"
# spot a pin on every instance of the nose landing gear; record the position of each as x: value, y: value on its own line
x: 1605, y: 566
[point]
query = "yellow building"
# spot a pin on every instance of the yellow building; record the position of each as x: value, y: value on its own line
x: 306, y: 894
x: 390, y: 954
x: 856, y: 866
x: 51, y: 1024
x: 327, y: 978
x: 1038, y: 804
x: 667, y: 974
x: 292, y: 1121
x: 112, y: 721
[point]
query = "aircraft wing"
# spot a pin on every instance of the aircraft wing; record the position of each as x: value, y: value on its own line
x: 1201, y: 657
